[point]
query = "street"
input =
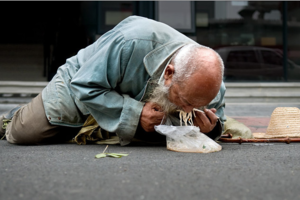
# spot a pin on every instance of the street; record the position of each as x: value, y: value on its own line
x: 70, y: 172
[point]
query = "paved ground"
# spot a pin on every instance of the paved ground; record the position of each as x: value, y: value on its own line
x: 70, y: 172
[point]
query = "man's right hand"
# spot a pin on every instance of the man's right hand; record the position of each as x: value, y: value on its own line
x: 151, y: 116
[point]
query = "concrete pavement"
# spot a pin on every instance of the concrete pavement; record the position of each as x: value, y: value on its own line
x: 70, y: 172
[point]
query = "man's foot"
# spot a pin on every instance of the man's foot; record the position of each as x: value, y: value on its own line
x: 5, y: 119
x: 2, y: 131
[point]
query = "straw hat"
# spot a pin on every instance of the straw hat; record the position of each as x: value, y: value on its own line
x: 284, y: 122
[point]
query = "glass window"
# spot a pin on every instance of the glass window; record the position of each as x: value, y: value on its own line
x: 293, y: 40
x: 110, y: 13
x: 242, y: 56
x: 247, y: 27
x: 177, y: 14
x: 271, y: 58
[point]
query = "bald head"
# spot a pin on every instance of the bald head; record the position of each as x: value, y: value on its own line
x: 207, y: 74
x: 197, y: 74
x: 193, y: 58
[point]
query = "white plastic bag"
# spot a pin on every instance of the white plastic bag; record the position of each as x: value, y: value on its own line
x: 187, y: 139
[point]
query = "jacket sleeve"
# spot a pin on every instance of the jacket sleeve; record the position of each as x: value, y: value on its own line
x: 215, y: 134
x: 95, y: 84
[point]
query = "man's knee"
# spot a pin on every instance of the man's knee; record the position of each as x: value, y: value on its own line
x: 29, y: 125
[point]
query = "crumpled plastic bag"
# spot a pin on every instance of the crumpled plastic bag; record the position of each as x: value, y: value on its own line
x: 187, y: 139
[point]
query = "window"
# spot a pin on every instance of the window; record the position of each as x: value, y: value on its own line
x: 271, y: 58
x: 243, y: 27
x: 242, y: 56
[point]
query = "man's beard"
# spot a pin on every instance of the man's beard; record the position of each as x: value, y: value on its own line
x: 160, y: 96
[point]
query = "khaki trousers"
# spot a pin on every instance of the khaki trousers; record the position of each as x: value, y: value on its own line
x: 29, y: 125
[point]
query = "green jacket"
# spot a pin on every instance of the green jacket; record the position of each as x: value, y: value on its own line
x: 109, y: 78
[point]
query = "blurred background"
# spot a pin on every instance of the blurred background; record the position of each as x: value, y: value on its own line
x: 259, y: 41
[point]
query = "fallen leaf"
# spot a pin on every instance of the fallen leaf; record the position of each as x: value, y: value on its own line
x: 116, y: 155
x: 101, y: 155
x: 113, y: 155
x: 120, y: 154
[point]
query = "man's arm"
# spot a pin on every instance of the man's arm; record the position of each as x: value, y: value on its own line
x: 96, y: 85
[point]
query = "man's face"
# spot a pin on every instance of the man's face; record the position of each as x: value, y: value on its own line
x: 197, y: 91
x: 186, y: 97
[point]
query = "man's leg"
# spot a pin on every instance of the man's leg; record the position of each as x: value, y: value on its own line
x: 29, y: 125
x: 5, y: 119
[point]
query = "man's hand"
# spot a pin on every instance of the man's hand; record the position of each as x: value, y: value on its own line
x: 151, y: 116
x: 206, y: 121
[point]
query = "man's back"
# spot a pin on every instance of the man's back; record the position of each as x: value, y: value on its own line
x: 135, y: 27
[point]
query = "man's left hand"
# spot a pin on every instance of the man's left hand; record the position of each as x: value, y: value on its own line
x: 206, y: 121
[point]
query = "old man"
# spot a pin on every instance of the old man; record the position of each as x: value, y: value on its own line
x: 131, y: 79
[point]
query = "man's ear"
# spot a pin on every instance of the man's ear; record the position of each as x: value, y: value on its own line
x: 169, y: 73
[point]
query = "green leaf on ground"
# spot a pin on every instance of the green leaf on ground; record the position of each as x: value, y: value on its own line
x: 114, y: 155
x: 119, y: 154
x: 101, y: 155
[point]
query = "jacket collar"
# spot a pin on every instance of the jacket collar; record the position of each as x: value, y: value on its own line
x: 155, y: 61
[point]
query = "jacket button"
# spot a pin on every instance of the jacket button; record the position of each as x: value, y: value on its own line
x: 49, y: 118
x: 59, y: 118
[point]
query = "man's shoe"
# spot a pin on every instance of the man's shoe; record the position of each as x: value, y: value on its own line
x: 2, y: 131
x: 5, y: 120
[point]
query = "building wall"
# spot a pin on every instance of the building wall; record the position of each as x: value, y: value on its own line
x: 249, y: 35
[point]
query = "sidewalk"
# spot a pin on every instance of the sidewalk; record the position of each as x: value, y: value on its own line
x: 255, y: 124
x: 71, y: 172
x: 256, y: 116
